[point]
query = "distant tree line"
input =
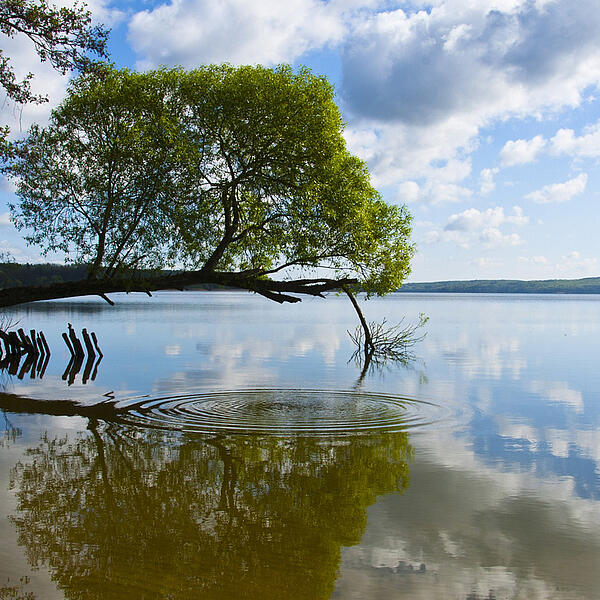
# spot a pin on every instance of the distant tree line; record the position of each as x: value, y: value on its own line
x: 589, y: 285
x: 23, y: 275
x: 14, y: 275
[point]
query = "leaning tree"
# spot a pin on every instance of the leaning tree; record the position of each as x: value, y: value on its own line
x: 230, y: 176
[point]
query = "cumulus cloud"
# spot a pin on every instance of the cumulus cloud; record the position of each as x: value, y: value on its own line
x: 397, y: 152
x: 191, y: 32
x: 408, y: 191
x: 486, y: 181
x: 418, y: 83
x: 427, y: 81
x: 585, y: 146
x: 520, y: 152
x: 5, y: 219
x: 493, y: 237
x: 574, y: 264
x: 472, y: 225
x: 559, y: 192
x: 472, y: 219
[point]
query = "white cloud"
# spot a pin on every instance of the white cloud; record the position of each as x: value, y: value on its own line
x: 103, y: 11
x: 19, y: 254
x: 458, y: 237
x: 419, y: 85
x: 472, y: 225
x: 192, y: 32
x: 5, y: 219
x: 484, y: 262
x: 439, y: 192
x: 559, y: 192
x: 486, y: 181
x: 46, y: 81
x: 536, y: 260
x: 7, y: 185
x: 472, y: 219
x: 520, y: 152
x: 585, y: 146
x: 516, y: 48
x: 408, y: 191
x: 493, y: 237
x: 573, y: 264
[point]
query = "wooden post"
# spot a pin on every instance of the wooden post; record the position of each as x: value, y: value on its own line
x: 40, y: 346
x: 95, y: 340
x: 46, y: 347
x: 68, y: 343
x: 33, y: 342
x: 13, y: 367
x: 15, y: 343
x: 25, y: 341
x: 75, y: 341
x: 7, y: 343
x: 88, y: 343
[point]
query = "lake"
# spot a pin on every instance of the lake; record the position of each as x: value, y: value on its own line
x: 227, y: 447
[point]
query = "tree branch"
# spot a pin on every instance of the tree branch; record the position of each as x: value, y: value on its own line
x: 278, y: 291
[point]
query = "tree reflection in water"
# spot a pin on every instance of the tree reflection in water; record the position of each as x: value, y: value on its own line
x: 122, y: 512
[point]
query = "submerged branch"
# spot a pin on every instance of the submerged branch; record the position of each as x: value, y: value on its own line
x: 388, y: 342
x: 367, y: 345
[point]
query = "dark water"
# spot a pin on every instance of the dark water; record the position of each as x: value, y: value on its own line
x: 226, y: 448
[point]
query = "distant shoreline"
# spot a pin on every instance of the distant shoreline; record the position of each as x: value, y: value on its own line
x: 13, y: 274
x: 588, y: 285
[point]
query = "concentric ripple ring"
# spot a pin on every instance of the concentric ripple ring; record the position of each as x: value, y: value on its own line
x: 281, y: 412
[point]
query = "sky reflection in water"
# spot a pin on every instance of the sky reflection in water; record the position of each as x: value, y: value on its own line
x: 496, y: 494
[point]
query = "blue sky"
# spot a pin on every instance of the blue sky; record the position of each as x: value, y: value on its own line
x: 483, y: 116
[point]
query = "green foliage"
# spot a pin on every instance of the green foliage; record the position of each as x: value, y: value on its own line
x: 13, y: 274
x: 63, y: 36
x: 92, y: 184
x: 219, y: 169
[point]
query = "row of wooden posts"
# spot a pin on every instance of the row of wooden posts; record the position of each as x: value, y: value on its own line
x: 74, y: 345
x: 14, y: 345
x: 77, y: 355
x: 18, y: 344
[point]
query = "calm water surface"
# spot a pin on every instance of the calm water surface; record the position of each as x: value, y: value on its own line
x: 227, y: 448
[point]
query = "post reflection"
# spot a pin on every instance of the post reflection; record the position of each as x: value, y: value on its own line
x: 118, y: 512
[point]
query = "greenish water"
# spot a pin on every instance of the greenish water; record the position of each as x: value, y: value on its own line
x: 227, y: 448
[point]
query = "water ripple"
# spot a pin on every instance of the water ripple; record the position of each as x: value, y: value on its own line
x: 282, y: 412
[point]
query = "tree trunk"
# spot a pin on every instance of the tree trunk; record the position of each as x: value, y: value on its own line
x: 279, y: 291
x: 369, y: 346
